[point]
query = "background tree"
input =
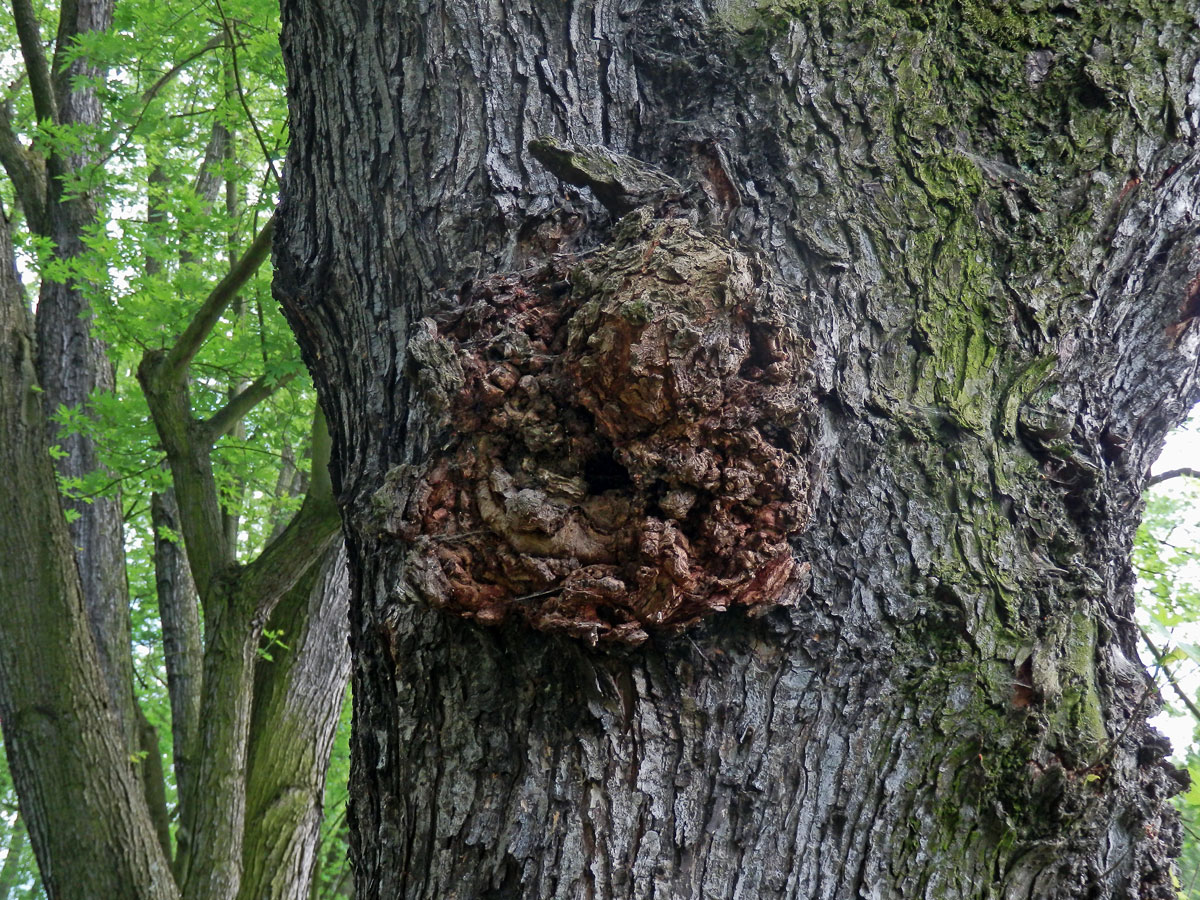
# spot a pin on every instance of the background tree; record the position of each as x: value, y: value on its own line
x: 140, y: 148
x: 953, y: 322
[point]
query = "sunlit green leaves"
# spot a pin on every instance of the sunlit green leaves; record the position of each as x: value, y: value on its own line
x: 1166, y: 563
x: 194, y: 128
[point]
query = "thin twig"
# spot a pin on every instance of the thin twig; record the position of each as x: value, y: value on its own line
x: 152, y: 92
x: 1172, y: 473
x: 237, y: 77
x: 1158, y: 658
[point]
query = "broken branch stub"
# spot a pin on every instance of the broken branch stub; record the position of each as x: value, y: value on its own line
x: 623, y: 441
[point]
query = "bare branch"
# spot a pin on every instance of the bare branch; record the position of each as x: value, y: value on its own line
x: 224, y: 419
x: 221, y: 296
x: 1172, y: 473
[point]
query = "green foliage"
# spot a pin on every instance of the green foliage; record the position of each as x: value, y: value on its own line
x: 1168, y: 571
x: 187, y: 170
x: 1165, y: 558
x: 271, y: 639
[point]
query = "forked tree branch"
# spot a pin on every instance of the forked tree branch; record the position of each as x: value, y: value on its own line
x: 302, y: 543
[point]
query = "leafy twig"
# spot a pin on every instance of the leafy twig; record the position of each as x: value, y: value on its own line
x: 237, y: 77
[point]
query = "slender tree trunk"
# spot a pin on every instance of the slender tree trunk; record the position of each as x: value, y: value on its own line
x: 298, y: 695
x: 72, y: 364
x: 183, y: 650
x: 952, y: 322
x: 154, y: 782
x: 62, y: 748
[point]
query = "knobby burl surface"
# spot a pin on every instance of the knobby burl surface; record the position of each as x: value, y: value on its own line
x: 620, y: 444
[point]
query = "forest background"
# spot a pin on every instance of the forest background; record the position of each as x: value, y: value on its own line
x: 159, y: 161
x: 181, y: 163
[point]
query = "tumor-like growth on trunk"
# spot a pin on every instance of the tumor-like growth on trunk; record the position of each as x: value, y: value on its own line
x: 621, y: 441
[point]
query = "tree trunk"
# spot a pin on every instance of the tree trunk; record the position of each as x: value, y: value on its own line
x: 63, y: 749
x: 183, y: 650
x: 72, y: 364
x: 909, y: 288
x: 298, y: 696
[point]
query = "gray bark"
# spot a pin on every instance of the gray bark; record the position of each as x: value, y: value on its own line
x: 72, y: 364
x: 63, y: 748
x: 298, y: 696
x: 981, y: 221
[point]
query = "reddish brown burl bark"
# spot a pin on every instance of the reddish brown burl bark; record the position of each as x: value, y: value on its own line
x: 618, y: 441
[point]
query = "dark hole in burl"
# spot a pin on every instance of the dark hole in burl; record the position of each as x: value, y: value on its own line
x: 780, y: 438
x: 603, y: 473
x: 759, y: 358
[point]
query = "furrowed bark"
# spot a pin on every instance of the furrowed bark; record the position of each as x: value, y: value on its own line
x: 983, y: 219
x: 72, y: 364
x: 89, y: 825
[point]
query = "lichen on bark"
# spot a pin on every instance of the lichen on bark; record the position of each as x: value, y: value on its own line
x: 619, y: 444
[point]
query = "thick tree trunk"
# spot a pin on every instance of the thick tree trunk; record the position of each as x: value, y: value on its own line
x: 953, y: 321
